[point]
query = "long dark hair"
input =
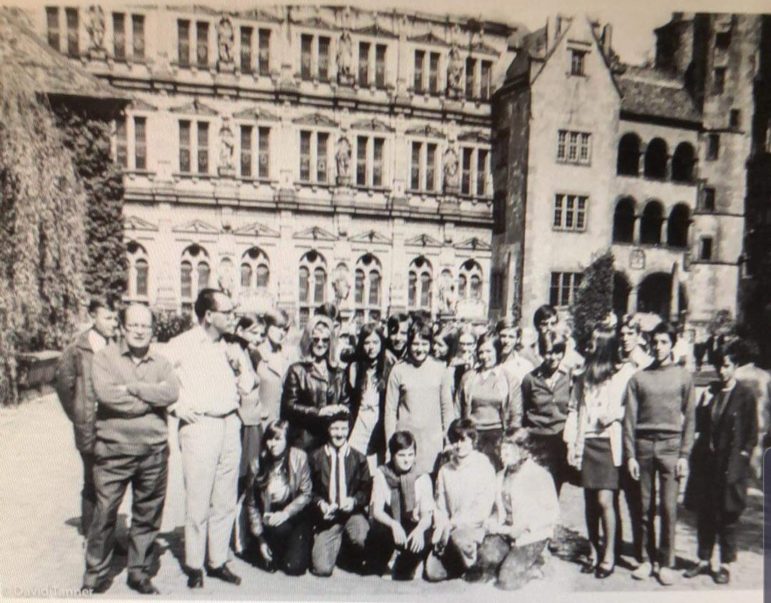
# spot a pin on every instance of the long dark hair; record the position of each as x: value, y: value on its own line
x: 274, y: 428
x: 362, y: 361
x: 603, y: 360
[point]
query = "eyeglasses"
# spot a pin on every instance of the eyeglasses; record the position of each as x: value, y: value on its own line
x: 320, y: 339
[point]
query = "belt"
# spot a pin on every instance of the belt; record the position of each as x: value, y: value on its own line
x: 658, y: 435
x: 214, y: 416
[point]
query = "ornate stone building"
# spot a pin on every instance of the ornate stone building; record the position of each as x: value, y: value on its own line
x: 298, y: 155
x: 591, y: 154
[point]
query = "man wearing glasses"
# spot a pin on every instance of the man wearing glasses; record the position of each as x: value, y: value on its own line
x: 134, y: 386
x: 209, y: 434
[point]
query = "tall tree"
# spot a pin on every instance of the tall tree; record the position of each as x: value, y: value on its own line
x: 594, y: 298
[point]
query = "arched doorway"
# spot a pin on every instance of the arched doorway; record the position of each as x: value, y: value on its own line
x: 621, y: 290
x: 653, y: 294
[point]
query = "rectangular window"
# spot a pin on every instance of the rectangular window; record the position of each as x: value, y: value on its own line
x: 713, y: 147
x: 119, y: 35
x: 420, y: 57
x: 570, y: 212
x: 264, y: 152
x: 121, y: 142
x: 138, y: 37
x: 202, y: 44
x: 263, y: 59
x: 431, y: 167
x: 574, y: 147
x: 377, y: 162
x: 470, y: 68
x: 140, y: 143
x: 314, y: 154
x: 433, y: 73
x: 719, y: 83
x: 203, y: 147
x: 52, y: 25
x: 321, y: 156
x: 705, y: 250
x: 499, y: 212
x: 577, y: 62
x: 361, y: 160
x: 415, y: 166
x: 481, y: 171
x: 363, y: 64
x: 246, y: 150
x: 708, y: 199
x: 323, y: 59
x: 465, y: 185
x: 306, y: 56
x: 305, y: 156
x: 723, y: 39
x: 183, y: 42
x: 380, y: 65
x: 563, y: 288
x: 487, y: 70
x: 73, y: 33
x: 184, y: 147
x: 246, y: 49
x: 734, y: 118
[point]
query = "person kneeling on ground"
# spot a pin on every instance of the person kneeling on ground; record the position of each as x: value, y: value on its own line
x: 277, y: 503
x: 465, y: 494
x: 526, y: 511
x: 341, y: 491
x: 402, y: 507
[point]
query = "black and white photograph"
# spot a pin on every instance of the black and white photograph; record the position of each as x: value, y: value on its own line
x: 376, y: 301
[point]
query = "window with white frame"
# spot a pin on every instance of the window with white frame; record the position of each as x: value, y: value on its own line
x: 194, y: 147
x: 470, y: 281
x: 426, y: 72
x: 563, y: 288
x: 368, y: 285
x: 419, y: 284
x: 312, y: 284
x: 194, y: 273
x: 478, y: 77
x: 138, y: 272
x: 314, y: 57
x: 254, y: 151
x: 570, y: 212
x: 128, y: 43
x: 423, y: 166
x: 131, y: 142
x: 369, y: 161
x: 248, y: 62
x: 185, y: 29
x: 314, y: 156
x: 255, y: 269
x: 475, y: 166
x: 371, y: 64
x: 574, y: 147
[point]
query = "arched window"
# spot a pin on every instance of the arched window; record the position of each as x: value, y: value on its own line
x: 682, y: 163
x: 195, y: 274
x: 420, y: 282
x: 623, y: 221
x: 470, y: 281
x: 677, y: 226
x: 628, y: 161
x: 138, y: 272
x: 312, y: 285
x: 368, y: 283
x: 650, y: 227
x: 255, y: 269
x: 656, y: 159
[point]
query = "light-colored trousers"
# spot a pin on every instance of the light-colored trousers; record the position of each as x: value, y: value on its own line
x: 211, y: 453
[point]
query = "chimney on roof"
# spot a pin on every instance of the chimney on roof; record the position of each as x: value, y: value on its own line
x: 607, y: 39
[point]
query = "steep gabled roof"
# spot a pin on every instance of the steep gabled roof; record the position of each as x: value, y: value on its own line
x: 652, y: 93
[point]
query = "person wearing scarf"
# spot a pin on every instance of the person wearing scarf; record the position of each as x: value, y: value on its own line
x: 401, y: 509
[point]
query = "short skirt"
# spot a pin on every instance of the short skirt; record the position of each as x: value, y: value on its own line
x: 597, y: 469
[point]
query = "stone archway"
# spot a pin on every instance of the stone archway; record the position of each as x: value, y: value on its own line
x: 654, y: 293
x: 621, y: 290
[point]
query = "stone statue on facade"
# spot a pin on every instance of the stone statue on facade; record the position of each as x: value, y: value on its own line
x: 448, y: 297
x: 343, y: 160
x: 345, y: 59
x: 341, y: 286
x: 451, y: 171
x: 225, y: 45
x: 227, y: 150
x: 95, y: 29
x: 455, y: 73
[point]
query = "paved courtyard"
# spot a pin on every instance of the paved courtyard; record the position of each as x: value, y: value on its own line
x: 42, y: 553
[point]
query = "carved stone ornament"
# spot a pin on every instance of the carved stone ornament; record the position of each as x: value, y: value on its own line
x: 345, y: 59
x: 451, y: 171
x: 227, y: 149
x: 225, y: 43
x: 448, y: 297
x: 95, y: 29
x: 341, y: 285
x: 343, y: 160
x: 455, y: 73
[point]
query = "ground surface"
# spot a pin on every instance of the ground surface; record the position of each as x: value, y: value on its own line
x: 41, y: 552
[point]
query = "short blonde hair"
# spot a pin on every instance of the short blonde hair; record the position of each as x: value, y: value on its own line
x: 306, y: 341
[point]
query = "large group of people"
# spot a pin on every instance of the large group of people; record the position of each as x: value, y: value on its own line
x: 408, y: 444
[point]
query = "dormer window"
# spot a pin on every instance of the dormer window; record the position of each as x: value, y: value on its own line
x: 577, y: 62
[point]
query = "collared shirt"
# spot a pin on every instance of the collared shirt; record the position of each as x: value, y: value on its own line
x: 207, y: 381
x: 545, y: 401
x: 516, y: 366
x: 133, y: 396
x: 338, y: 490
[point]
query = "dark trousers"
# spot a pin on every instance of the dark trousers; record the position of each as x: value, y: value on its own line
x: 658, y: 456
x: 631, y: 490
x: 487, y: 442
x: 88, y: 493
x: 381, y: 546
x: 511, y: 564
x: 712, y: 525
x: 330, y: 537
x: 290, y: 543
x: 551, y: 452
x: 113, y: 473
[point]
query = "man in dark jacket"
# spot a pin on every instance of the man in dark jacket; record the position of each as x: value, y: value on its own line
x: 727, y: 425
x: 76, y: 393
x: 341, y: 491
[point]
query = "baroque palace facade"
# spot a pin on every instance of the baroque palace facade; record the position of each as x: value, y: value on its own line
x: 652, y: 163
x: 297, y: 155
